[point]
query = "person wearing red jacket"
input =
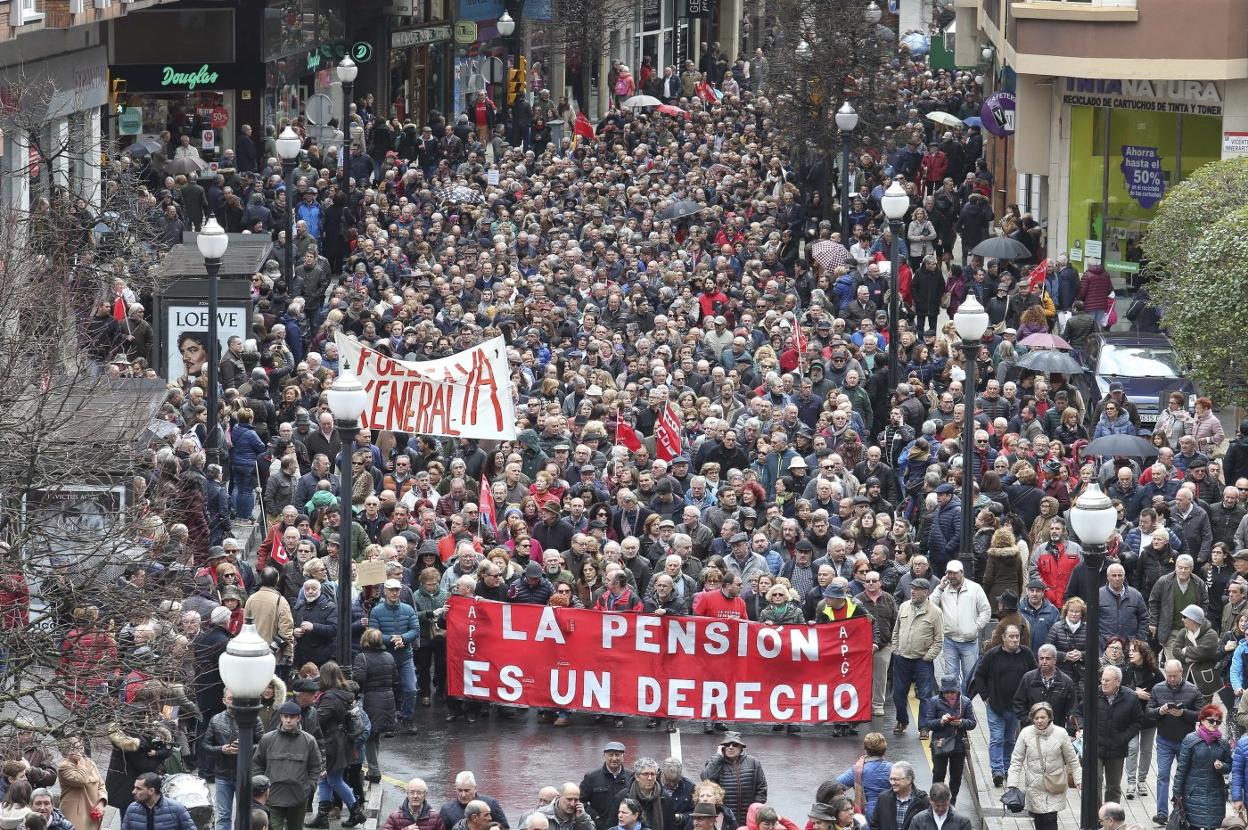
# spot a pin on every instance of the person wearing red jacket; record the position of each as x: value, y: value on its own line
x: 933, y: 168
x: 14, y: 593
x: 88, y: 660
x: 1054, y: 561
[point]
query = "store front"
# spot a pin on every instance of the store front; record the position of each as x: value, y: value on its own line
x: 420, y: 71
x: 1130, y: 143
x: 302, y: 40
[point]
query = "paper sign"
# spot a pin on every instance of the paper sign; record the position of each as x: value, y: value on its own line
x: 1234, y: 144
x: 1093, y: 248
x: 491, y: 178
x: 208, y: 139
x: 1141, y: 167
x: 370, y: 572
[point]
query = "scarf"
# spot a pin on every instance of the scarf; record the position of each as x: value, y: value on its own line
x: 1209, y: 736
x: 652, y: 807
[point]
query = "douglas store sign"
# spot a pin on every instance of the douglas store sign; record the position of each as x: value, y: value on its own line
x: 1187, y: 97
x: 188, y: 77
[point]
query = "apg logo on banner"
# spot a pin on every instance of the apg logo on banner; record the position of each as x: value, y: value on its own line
x: 666, y: 667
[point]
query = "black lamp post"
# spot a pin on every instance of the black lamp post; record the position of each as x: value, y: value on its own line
x: 347, y: 70
x: 288, y: 146
x: 507, y: 28
x: 846, y: 122
x: 1092, y: 518
x: 971, y: 321
x: 346, y: 400
x: 895, y: 203
x: 246, y: 669
x: 212, y: 241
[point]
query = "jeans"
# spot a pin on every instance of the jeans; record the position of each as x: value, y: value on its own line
x: 407, y: 684
x: 333, y: 784
x: 1167, y: 754
x: 223, y: 801
x: 908, y: 670
x: 1140, y: 755
x: 1002, y: 730
x: 243, y: 491
x: 879, y: 678
x: 960, y: 660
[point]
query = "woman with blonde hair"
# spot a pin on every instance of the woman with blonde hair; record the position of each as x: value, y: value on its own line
x: 1069, y: 636
x: 1044, y: 766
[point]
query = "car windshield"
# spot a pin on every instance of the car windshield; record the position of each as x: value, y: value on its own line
x: 1139, y: 361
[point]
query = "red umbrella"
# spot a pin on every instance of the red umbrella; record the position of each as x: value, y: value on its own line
x: 669, y: 109
x: 829, y: 254
x: 1044, y: 341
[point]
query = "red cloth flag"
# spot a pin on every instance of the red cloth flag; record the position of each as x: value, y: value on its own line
x: 667, y: 434
x: 485, y: 504
x: 625, y: 434
x: 583, y: 127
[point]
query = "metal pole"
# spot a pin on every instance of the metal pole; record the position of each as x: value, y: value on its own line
x: 346, y: 434
x: 288, y: 167
x: 845, y: 194
x: 1090, y: 798
x: 347, y: 89
x: 893, y: 303
x: 507, y: 89
x: 214, y: 358
x: 967, y: 546
x: 245, y: 712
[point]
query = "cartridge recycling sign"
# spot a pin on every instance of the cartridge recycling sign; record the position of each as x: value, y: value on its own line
x: 1141, y: 167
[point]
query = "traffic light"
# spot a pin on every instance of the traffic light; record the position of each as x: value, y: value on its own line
x: 516, y: 80
x: 116, y: 102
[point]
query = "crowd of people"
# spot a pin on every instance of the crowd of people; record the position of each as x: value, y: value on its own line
x: 806, y: 489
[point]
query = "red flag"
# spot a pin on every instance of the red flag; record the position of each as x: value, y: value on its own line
x: 667, y: 434
x: 486, y: 504
x: 583, y: 127
x: 625, y: 434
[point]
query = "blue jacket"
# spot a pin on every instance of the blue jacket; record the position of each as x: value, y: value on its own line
x: 398, y: 619
x: 1119, y: 426
x: 1040, y: 620
x: 313, y: 214
x: 1237, y: 664
x: 247, y: 446
x: 874, y: 780
x: 168, y: 815
x: 1239, y: 770
x: 946, y: 535
x: 1202, y: 787
x: 1126, y: 617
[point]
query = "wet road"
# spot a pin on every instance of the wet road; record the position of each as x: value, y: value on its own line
x: 513, y: 759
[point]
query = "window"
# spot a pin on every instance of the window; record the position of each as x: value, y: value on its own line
x: 30, y: 11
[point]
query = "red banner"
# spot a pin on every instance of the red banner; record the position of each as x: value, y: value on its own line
x: 667, y: 434
x: 664, y: 667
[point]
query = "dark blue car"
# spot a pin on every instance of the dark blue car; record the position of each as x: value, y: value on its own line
x: 1148, y: 366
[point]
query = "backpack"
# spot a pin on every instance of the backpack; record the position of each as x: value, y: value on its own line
x: 356, y: 726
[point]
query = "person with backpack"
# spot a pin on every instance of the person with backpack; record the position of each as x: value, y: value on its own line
x: 335, y: 715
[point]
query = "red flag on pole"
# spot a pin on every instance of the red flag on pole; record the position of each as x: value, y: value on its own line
x: 583, y: 126
x: 486, y: 504
x: 667, y: 434
x: 625, y: 434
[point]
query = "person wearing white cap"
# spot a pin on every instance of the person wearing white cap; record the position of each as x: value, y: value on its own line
x: 1196, y: 647
x: 400, y: 630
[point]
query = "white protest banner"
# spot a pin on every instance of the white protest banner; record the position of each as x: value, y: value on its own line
x: 466, y: 395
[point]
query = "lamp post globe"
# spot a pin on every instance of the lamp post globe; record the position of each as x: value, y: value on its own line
x: 872, y: 13
x: 288, y: 144
x: 347, y: 70
x: 971, y: 320
x: 506, y: 25
x: 246, y: 668
x: 846, y: 118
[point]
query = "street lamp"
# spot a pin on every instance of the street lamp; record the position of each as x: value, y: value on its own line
x: 971, y: 322
x: 347, y: 70
x: 506, y: 28
x: 213, y: 242
x: 895, y: 203
x: 346, y: 400
x: 246, y: 669
x: 846, y: 122
x: 986, y: 53
x: 1093, y: 519
x: 288, y: 146
x: 803, y: 50
x: 872, y: 13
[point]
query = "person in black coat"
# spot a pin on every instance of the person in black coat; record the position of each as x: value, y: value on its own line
x: 332, y: 710
x: 1120, y: 719
x: 600, y: 787
x: 316, y: 625
x: 901, y: 786
x: 375, y: 672
x: 973, y: 222
x: 926, y: 288
x: 245, y: 154
x: 1049, y: 685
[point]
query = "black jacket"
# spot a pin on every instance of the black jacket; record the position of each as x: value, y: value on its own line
x: 998, y: 676
x: 1062, y: 694
x: 1120, y: 719
x: 318, y: 644
x: 598, y: 793
x: 378, y: 676
x: 885, y: 815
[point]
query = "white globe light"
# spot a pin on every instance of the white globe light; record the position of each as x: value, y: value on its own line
x: 971, y: 319
x: 895, y: 201
x: 212, y: 239
x: 846, y: 118
x: 1093, y: 517
x: 288, y: 144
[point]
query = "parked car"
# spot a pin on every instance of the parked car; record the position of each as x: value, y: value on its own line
x: 1148, y: 366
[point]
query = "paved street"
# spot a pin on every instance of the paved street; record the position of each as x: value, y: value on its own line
x: 533, y: 756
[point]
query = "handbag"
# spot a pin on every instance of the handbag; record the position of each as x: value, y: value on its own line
x: 1178, y: 819
x: 1055, y: 783
x: 1013, y: 800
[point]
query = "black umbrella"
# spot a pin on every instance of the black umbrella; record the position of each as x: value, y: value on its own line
x: 681, y: 210
x: 1129, y: 445
x: 1001, y: 247
x: 1050, y: 362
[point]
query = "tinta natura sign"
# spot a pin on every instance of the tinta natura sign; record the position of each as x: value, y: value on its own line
x: 203, y: 76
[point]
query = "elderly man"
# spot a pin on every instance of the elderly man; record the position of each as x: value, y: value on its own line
x: 965, y: 610
x: 1172, y: 593
x: 917, y: 642
x: 567, y: 812
x: 1045, y: 683
x: 896, y: 807
x: 466, y: 794
x: 415, y: 811
x: 1124, y: 611
x: 1173, y: 705
x: 1192, y: 525
x: 997, y: 678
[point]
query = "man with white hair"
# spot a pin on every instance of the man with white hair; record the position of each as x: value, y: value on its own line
x: 415, y: 811
x: 1172, y: 593
x: 1173, y: 705
x: 465, y: 793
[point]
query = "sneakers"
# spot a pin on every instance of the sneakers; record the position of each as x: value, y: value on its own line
x: 899, y: 729
x: 1141, y: 791
x: 924, y: 735
x: 997, y: 779
x: 1129, y: 791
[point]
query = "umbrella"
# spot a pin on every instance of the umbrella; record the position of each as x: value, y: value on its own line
x: 829, y: 254
x: 669, y: 109
x: 185, y: 166
x: 1050, y: 362
x: 973, y: 121
x: 156, y: 432
x: 460, y: 195
x: 948, y: 119
x: 719, y: 170
x: 138, y: 150
x: 1001, y: 247
x: 1128, y: 445
x: 681, y: 210
x: 917, y: 43
x: 639, y: 101
x: 1044, y: 341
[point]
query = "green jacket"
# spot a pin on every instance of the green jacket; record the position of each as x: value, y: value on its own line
x: 292, y: 761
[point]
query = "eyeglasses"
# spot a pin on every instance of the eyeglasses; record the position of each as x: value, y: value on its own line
x: 1214, y: 721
